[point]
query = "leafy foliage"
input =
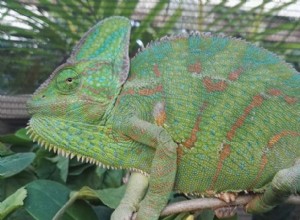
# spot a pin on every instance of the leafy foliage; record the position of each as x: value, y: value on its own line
x: 47, y: 30
x: 43, y: 185
x: 37, y: 36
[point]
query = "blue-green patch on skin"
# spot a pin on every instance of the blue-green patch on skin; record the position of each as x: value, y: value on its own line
x: 255, y: 57
x: 207, y: 49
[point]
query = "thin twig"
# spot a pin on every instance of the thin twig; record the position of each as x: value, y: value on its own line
x: 213, y: 203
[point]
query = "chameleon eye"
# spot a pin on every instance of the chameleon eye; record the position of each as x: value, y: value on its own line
x: 67, y: 80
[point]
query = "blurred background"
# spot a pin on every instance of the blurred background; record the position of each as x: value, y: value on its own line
x: 38, y: 35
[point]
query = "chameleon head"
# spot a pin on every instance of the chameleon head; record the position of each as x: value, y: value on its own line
x: 81, y: 93
x: 78, y: 92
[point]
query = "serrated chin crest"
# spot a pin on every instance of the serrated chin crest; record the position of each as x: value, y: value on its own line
x: 62, y: 152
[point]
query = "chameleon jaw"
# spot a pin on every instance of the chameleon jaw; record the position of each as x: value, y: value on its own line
x: 33, y: 135
x: 51, y: 147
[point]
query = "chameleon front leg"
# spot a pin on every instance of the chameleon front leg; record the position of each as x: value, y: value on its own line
x: 163, y: 168
x: 285, y: 183
x: 135, y: 192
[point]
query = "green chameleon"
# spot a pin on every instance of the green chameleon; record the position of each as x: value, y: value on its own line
x: 198, y: 114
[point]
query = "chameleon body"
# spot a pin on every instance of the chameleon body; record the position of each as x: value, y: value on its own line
x: 196, y: 113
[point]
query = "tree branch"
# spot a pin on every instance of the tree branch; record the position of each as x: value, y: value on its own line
x: 213, y: 203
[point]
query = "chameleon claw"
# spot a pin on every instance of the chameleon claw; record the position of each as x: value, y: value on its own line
x: 227, y: 196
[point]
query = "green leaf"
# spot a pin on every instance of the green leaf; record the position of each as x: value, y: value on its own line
x: 63, y: 166
x: 206, y: 215
x: 12, y: 202
x: 78, y: 169
x: 12, y: 184
x: 111, y: 178
x: 19, y: 214
x: 111, y: 196
x: 45, y: 198
x: 11, y: 139
x: 80, y: 210
x: 21, y: 133
x: 13, y: 164
x: 103, y: 212
x: 4, y: 150
x: 20, y: 137
x: 84, y: 193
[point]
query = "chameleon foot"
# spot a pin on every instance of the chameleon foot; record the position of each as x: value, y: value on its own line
x: 226, y: 212
x: 227, y: 196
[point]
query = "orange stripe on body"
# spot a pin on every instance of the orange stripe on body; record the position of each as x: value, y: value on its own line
x: 146, y: 91
x: 263, y: 163
x: 235, y: 74
x: 225, y: 152
x: 195, y: 68
x: 274, y: 92
x: 290, y: 100
x: 264, y: 159
x: 156, y: 70
x: 280, y: 135
x: 129, y: 92
x: 256, y: 102
x: 211, y: 86
x: 190, y: 142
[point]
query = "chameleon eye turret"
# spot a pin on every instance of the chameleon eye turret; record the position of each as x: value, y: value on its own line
x: 68, y: 80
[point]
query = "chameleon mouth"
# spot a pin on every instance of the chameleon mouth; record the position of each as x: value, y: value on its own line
x: 37, y: 133
x: 35, y: 137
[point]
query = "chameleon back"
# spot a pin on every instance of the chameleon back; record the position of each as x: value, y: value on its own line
x: 233, y: 109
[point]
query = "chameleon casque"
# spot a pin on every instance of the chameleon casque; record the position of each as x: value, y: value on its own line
x: 193, y: 113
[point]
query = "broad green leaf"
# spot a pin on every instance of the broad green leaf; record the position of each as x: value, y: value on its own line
x: 68, y: 209
x: 80, y: 210
x: 111, y: 178
x: 19, y: 138
x: 103, y: 212
x: 57, y: 169
x: 12, y: 202
x: 63, y: 166
x: 4, y: 150
x: 44, y: 167
x: 13, y: 164
x: 85, y: 193
x: 206, y: 215
x: 12, y: 184
x: 87, y: 178
x: 112, y: 196
x: 11, y: 139
x: 45, y: 198
x: 19, y: 214
x: 78, y: 169
x: 21, y: 133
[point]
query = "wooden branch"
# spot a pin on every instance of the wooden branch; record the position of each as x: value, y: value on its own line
x: 213, y: 203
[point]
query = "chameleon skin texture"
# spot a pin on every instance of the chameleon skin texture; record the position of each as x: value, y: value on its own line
x: 231, y: 109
